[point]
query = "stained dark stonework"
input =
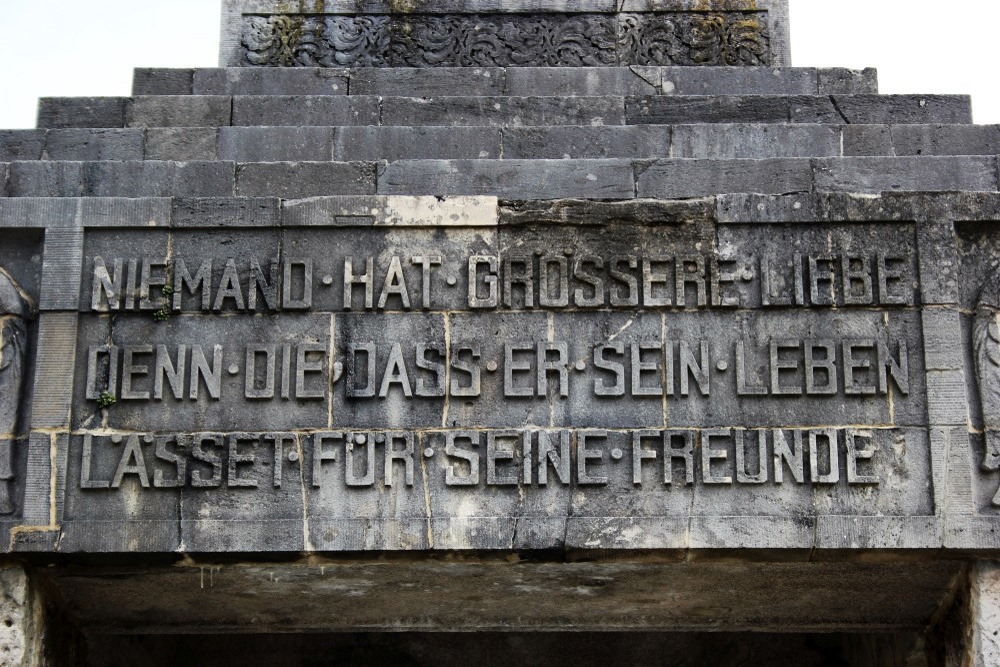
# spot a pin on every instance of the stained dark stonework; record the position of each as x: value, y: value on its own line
x: 591, y: 327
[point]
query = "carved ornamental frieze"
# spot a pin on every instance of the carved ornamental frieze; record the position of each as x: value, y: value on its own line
x: 504, y: 40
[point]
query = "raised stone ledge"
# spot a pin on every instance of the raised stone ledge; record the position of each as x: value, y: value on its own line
x: 486, y: 33
x: 524, y: 81
x: 498, y: 110
x: 512, y: 179
x: 397, y: 210
x: 340, y: 143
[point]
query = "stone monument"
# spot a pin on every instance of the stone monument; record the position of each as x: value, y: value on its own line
x: 590, y: 326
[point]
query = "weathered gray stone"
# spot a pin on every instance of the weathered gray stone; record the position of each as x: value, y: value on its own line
x: 45, y: 179
x: 942, y: 327
x: 276, y: 144
x: 226, y: 212
x: 21, y: 144
x: 985, y: 602
x: 667, y: 110
x: 183, y: 143
x: 16, y: 609
x: 266, y: 81
x: 159, y: 81
x: 737, y: 81
x: 720, y: 141
x: 946, y: 139
x: 903, y: 109
x: 839, y: 81
x: 124, y: 212
x: 408, y: 143
x: 516, y: 179
x: 869, y: 140
x: 879, y: 174
x: 305, y: 110
x: 392, y: 211
x: 85, y: 145
x: 409, y: 82
x: 580, y: 81
x: 305, y: 179
x: 585, y: 212
x: 179, y: 111
x: 553, y: 143
x: 157, y: 179
x: 690, y: 178
x: 58, y: 112
x: 502, y: 111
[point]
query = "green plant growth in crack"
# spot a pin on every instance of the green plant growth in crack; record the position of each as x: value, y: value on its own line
x: 163, y: 314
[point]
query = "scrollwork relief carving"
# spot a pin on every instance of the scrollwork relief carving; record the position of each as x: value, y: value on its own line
x: 464, y: 40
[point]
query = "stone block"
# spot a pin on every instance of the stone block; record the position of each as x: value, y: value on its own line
x: 708, y: 532
x: 226, y: 212
x: 391, y: 211
x: 420, y: 143
x: 515, y: 179
x: 179, y: 111
x: 392, y: 405
x: 45, y: 179
x: 946, y: 398
x: 689, y: 178
x: 719, y: 397
x: 748, y: 207
x: 415, y: 82
x: 940, y: 268
x: 985, y: 612
x: 502, y: 111
x: 27, y: 211
x: 305, y: 179
x: 722, y: 141
x: 869, y: 140
x: 878, y: 532
x: 21, y: 145
x: 275, y: 144
x: 205, y: 179
x: 737, y: 81
x: 886, y: 489
x: 602, y: 213
x: 16, y: 636
x: 296, y: 111
x: 903, y: 109
x: 85, y: 145
x: 675, y: 110
x: 763, y: 252
x: 839, y: 81
x: 880, y: 174
x: 579, y: 81
x: 271, y: 81
x: 447, y: 289
x: 946, y: 139
x: 942, y: 331
x: 182, y: 143
x: 124, y: 212
x: 553, y: 143
x: 157, y: 179
x: 161, y: 81
x: 57, y: 333
x: 81, y: 112
x: 600, y: 532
